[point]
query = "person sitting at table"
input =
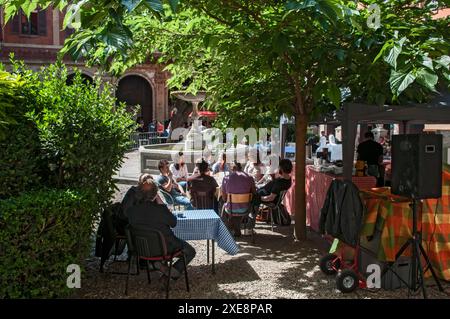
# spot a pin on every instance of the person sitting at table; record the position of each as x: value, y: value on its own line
x: 180, y: 172
x: 131, y: 197
x: 205, y: 184
x: 237, y: 182
x: 371, y: 152
x: 270, y: 193
x: 169, y: 185
x: 255, y: 168
x: 149, y: 213
x: 270, y: 170
x: 221, y: 166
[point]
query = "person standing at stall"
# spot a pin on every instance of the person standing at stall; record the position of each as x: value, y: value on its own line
x: 371, y: 152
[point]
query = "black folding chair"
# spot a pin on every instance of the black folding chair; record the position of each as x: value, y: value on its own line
x: 148, y: 244
x: 202, y: 200
x: 275, y: 206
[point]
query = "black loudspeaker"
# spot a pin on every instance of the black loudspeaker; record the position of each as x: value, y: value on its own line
x: 417, y: 165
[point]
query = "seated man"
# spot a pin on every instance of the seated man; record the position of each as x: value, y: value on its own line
x: 130, y: 198
x: 168, y: 184
x: 204, y: 183
x: 237, y: 182
x: 270, y: 192
x: 180, y: 172
x: 157, y: 216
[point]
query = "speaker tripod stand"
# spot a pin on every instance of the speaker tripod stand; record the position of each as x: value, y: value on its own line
x: 417, y: 280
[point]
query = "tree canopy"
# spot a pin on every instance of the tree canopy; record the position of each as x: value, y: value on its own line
x: 262, y: 58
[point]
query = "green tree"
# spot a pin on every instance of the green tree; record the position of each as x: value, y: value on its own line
x: 278, y: 57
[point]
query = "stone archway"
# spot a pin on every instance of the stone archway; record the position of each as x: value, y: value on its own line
x: 135, y: 90
x: 87, y: 79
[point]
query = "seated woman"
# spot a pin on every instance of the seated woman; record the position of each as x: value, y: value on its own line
x: 179, y: 171
x: 270, y: 171
x: 237, y: 182
x: 255, y: 168
x: 221, y: 166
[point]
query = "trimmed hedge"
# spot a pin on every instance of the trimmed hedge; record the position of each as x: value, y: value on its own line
x: 41, y: 233
x: 20, y: 165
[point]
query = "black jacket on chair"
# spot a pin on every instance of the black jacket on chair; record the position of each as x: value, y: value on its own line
x: 342, y: 213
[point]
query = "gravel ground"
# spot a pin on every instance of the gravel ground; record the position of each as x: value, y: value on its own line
x: 274, y: 267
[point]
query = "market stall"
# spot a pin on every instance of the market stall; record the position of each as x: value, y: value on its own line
x: 317, y: 184
x: 435, y: 112
x: 388, y: 225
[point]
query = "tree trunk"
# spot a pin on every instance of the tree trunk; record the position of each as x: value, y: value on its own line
x: 301, y: 125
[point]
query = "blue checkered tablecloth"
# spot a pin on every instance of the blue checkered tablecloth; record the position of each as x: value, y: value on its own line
x: 205, y: 225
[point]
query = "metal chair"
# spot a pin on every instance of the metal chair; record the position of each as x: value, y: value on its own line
x: 150, y: 245
x: 202, y: 200
x: 275, y: 206
x: 233, y: 199
x: 168, y: 198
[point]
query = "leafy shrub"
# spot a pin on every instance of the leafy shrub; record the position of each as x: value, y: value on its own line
x: 20, y: 166
x: 56, y: 136
x: 41, y: 233
x: 83, y: 132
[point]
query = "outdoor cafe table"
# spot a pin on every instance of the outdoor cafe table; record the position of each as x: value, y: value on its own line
x: 205, y: 225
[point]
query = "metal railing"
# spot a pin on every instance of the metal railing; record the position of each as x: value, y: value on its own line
x: 141, y: 139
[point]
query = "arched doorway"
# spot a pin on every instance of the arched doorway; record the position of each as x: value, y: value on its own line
x: 134, y: 90
x: 86, y: 79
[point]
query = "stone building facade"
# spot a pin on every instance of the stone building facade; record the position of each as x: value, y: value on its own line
x: 37, y: 41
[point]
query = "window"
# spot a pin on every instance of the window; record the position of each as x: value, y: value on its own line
x: 36, y: 24
x: 29, y: 26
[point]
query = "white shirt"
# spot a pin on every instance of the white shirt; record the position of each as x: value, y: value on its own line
x: 255, y: 171
x: 182, y: 172
x: 322, y: 143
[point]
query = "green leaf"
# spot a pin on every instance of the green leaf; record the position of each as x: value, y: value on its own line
x: 70, y: 18
x: 341, y: 54
x: 400, y: 81
x: 427, y: 62
x: 130, y: 4
x: 334, y: 95
x: 206, y: 40
x: 299, y: 5
x: 29, y: 6
x: 447, y: 76
x: 427, y: 79
x: 155, y: 5
x: 10, y: 11
x: 391, y: 58
x: 444, y: 61
x: 174, y: 5
x: 386, y: 46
